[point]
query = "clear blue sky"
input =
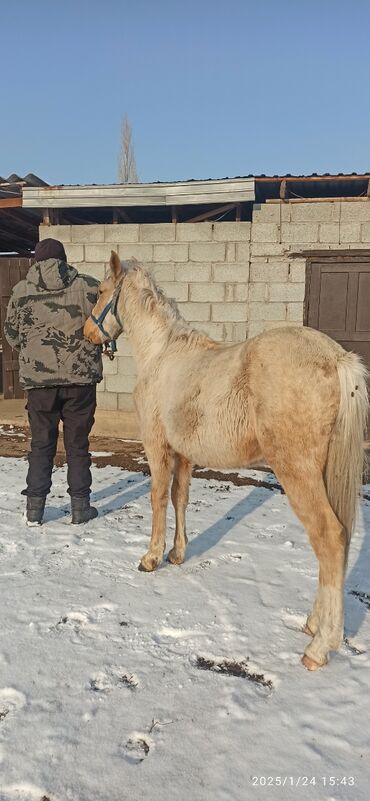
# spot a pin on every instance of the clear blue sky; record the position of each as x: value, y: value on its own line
x: 212, y: 88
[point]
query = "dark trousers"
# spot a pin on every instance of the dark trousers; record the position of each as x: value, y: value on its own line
x: 75, y: 406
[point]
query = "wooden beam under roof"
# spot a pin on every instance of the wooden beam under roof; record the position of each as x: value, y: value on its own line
x: 207, y: 215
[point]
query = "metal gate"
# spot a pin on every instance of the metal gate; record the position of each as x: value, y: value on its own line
x: 12, y: 270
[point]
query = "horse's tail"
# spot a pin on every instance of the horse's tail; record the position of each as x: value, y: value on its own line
x: 346, y: 455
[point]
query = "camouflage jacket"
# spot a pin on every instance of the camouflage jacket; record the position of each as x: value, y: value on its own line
x: 45, y: 320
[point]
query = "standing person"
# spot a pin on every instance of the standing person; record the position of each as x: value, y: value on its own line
x: 59, y: 369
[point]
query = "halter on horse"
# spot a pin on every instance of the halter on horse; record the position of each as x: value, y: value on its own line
x: 110, y: 344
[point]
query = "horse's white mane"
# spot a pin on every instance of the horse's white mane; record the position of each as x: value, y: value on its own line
x: 152, y: 300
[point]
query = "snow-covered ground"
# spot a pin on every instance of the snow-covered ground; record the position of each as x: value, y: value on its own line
x: 102, y: 695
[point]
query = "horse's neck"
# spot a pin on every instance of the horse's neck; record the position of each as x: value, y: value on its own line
x: 148, y: 332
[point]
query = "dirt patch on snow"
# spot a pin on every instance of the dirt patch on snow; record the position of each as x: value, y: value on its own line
x: 127, y: 454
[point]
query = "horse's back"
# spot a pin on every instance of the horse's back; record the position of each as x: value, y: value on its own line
x: 295, y: 387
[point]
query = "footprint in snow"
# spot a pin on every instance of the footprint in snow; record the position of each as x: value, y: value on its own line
x: 10, y: 702
x: 293, y: 620
x: 112, y: 678
x: 137, y: 748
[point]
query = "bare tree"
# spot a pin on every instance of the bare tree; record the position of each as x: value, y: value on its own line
x: 127, y: 173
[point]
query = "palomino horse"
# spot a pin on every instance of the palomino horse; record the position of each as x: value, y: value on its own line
x: 290, y: 396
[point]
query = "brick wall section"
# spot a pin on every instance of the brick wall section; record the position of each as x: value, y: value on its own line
x: 277, y: 280
x: 204, y: 266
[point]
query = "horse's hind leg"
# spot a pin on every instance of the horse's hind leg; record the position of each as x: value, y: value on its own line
x: 160, y: 462
x: 307, y: 495
x: 180, y: 497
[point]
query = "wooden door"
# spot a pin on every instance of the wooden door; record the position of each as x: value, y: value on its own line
x: 339, y: 302
x: 12, y: 270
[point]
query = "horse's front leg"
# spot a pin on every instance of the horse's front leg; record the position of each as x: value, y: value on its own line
x: 180, y: 497
x: 160, y: 462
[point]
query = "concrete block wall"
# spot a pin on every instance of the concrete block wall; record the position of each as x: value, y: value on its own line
x: 204, y: 266
x: 279, y: 230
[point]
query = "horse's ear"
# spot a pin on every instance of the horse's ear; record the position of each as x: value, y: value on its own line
x: 115, y: 266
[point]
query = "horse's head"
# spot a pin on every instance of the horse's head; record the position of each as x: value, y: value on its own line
x: 104, y: 323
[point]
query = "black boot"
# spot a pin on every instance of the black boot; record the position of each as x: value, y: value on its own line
x: 82, y: 512
x: 35, y: 510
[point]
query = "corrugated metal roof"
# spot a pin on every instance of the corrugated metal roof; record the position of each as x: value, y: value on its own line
x: 13, y: 185
x: 19, y: 228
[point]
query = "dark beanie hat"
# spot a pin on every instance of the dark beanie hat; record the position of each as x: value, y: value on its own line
x: 50, y: 249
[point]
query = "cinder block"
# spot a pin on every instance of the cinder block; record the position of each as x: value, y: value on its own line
x: 143, y: 253
x: 267, y: 311
x: 194, y: 232
x: 229, y: 292
x: 268, y: 249
x: 315, y: 212
x: 176, y: 290
x: 110, y: 367
x: 297, y: 271
x: 121, y: 232
x: 229, y: 312
x: 126, y: 366
x: 195, y: 312
x: 100, y: 387
x: 120, y: 383
x: 228, y: 332
x: 295, y: 312
x: 107, y: 400
x: 161, y: 272
x: 87, y: 233
x: 231, y: 232
x: 75, y: 253
x: 163, y: 232
x: 241, y: 292
x: 243, y: 252
x: 269, y: 272
x: 279, y: 324
x: 258, y: 292
x: 193, y: 272
x: 286, y: 292
x: 255, y: 328
x: 286, y: 212
x: 265, y: 232
x: 300, y: 233
x: 61, y: 232
x: 214, y: 330
x: 206, y: 292
x: 95, y: 269
x: 98, y: 252
x: 355, y: 211
x: 230, y: 251
x: 349, y: 232
x: 239, y: 332
x: 329, y: 232
x: 126, y: 402
x: 231, y: 272
x: 175, y: 252
x: 266, y: 213
x: 365, y: 232
x: 207, y: 251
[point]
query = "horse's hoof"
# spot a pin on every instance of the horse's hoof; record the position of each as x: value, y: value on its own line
x: 148, y: 565
x: 310, y: 664
x: 306, y: 630
x: 175, y: 558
